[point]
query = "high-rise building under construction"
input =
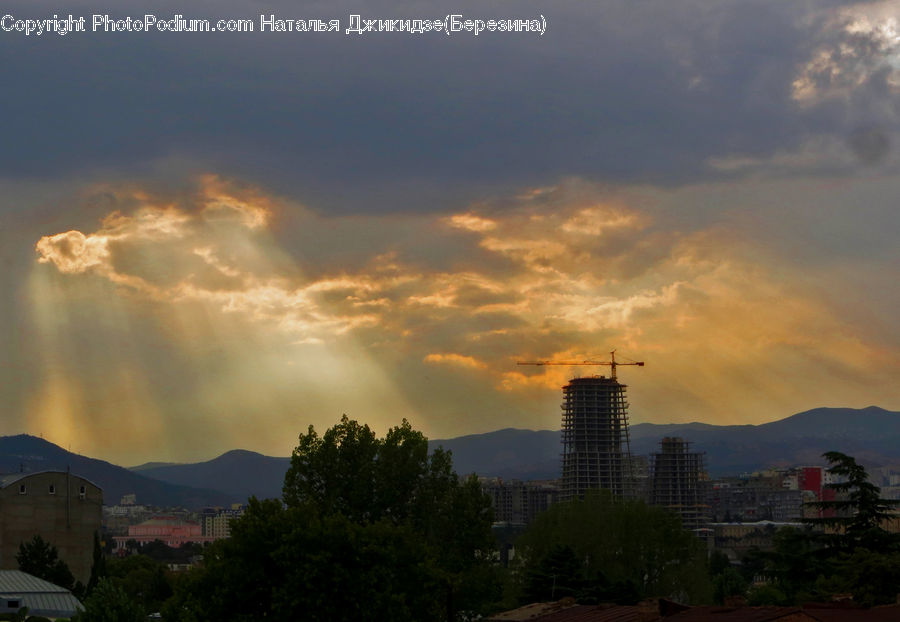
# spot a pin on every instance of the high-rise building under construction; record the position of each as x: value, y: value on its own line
x: 676, y: 480
x: 596, y: 447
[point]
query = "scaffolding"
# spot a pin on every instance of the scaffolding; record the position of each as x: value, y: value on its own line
x: 596, y: 445
x: 677, y: 475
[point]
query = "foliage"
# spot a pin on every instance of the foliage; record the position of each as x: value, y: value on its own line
x: 857, y: 517
x: 639, y: 548
x: 161, y: 552
x: 109, y: 603
x: 98, y: 566
x: 794, y: 564
x: 766, y: 595
x: 872, y: 577
x: 854, y: 554
x: 370, y: 529
x: 727, y: 583
x: 144, y: 580
x: 718, y: 562
x: 41, y: 559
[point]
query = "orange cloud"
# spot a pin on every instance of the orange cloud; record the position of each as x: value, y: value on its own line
x: 455, y: 359
x: 728, y: 330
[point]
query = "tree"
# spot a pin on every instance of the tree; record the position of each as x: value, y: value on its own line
x: 858, y: 517
x: 851, y: 552
x: 370, y: 529
x: 793, y: 565
x: 620, y: 543
x: 98, y: 566
x: 109, y: 603
x: 557, y: 575
x: 143, y: 579
x: 41, y: 559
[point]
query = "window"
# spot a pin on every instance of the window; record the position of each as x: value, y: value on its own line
x: 12, y: 604
x: 52, y: 489
x: 22, y: 490
x: 82, y: 492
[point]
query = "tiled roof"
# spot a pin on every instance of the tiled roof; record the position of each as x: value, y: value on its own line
x: 887, y: 613
x: 564, y: 612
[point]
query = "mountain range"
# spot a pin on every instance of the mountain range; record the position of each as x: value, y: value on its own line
x: 870, y: 434
x: 30, y: 454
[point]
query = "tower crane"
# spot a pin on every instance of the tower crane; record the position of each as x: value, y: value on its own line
x: 612, y: 363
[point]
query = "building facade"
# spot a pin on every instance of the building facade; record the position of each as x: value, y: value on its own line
x: 63, y: 509
x: 517, y: 502
x: 596, y: 447
x: 169, y: 530
x: 677, y: 482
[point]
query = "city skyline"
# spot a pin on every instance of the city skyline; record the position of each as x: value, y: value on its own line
x: 233, y: 236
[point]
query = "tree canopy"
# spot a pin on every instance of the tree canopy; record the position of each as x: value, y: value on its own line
x: 601, y: 549
x: 845, y: 550
x: 39, y: 558
x: 369, y: 529
x: 857, y: 517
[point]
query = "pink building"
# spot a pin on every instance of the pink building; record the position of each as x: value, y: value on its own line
x: 172, y: 531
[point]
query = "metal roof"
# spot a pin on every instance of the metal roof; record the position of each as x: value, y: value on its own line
x: 41, y: 597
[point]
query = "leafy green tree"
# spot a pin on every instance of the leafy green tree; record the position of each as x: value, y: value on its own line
x: 859, y: 513
x: 295, y: 564
x: 626, y: 543
x: 144, y: 580
x: 19, y: 616
x: 850, y: 551
x: 349, y: 471
x: 555, y: 576
x: 109, y: 603
x: 41, y: 559
x: 370, y: 529
x: 98, y: 566
x: 727, y: 583
x: 766, y: 595
x: 794, y: 565
x: 718, y: 562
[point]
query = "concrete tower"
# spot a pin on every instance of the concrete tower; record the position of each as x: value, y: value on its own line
x: 676, y: 479
x: 596, y: 447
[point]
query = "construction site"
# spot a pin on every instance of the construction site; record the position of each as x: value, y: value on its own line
x: 596, y: 449
x: 676, y: 475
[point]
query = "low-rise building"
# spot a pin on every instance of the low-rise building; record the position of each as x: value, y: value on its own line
x: 64, y: 509
x: 517, y: 502
x: 169, y: 530
x: 19, y: 589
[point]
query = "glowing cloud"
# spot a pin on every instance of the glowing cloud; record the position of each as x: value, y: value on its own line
x: 729, y: 332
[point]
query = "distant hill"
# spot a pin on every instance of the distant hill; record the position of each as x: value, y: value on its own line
x: 150, y: 465
x: 239, y: 472
x: 870, y: 434
x: 508, y: 453
x: 31, y: 454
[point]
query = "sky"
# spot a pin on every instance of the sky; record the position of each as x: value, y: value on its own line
x: 214, y: 240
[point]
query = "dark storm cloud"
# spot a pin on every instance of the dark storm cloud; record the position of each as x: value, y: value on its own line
x: 617, y: 91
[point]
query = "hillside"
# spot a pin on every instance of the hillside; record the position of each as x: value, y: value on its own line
x: 870, y: 434
x: 245, y: 473
x: 30, y: 454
